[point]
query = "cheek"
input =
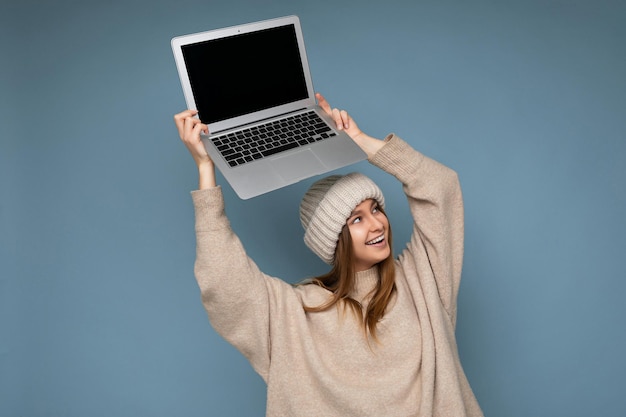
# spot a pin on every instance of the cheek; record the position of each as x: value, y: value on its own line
x: 356, y: 233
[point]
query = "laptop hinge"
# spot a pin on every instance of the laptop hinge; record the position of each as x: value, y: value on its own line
x: 260, y: 121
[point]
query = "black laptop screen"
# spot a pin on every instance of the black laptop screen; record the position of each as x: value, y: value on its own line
x: 245, y: 73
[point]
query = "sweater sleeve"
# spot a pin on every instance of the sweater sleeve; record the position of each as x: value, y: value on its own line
x: 235, y: 293
x: 435, y: 200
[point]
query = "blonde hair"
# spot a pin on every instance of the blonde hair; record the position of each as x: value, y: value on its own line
x: 340, y: 280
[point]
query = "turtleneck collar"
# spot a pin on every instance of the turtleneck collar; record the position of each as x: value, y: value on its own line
x: 365, y: 283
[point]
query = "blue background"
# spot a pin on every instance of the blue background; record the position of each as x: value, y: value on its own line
x: 99, y: 310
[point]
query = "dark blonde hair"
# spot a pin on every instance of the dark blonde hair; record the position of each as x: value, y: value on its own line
x: 340, y: 280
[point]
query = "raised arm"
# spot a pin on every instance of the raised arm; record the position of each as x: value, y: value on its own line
x: 435, y: 200
x: 235, y: 293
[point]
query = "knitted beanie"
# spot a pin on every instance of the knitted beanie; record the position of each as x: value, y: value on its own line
x: 327, y: 205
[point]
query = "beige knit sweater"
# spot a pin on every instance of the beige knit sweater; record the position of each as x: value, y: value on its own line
x: 321, y: 364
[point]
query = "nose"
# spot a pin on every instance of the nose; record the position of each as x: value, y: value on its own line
x: 376, y: 223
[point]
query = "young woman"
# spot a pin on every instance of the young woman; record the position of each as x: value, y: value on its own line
x: 374, y: 336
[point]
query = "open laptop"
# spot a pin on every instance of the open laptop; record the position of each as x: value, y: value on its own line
x: 251, y: 85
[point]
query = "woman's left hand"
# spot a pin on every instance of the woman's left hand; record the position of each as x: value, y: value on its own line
x: 344, y: 122
x: 341, y: 117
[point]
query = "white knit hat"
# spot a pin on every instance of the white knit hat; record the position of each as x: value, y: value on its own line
x: 327, y: 205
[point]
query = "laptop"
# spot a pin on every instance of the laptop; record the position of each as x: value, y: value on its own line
x: 252, y: 86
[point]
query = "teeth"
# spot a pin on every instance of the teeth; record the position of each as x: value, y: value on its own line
x: 377, y: 240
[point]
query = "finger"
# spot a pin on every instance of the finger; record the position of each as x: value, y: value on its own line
x: 199, y: 148
x: 188, y: 128
x: 321, y: 101
x: 200, y: 128
x: 196, y: 130
x: 179, y: 120
x: 180, y: 117
x: 345, y: 119
x: 336, y: 115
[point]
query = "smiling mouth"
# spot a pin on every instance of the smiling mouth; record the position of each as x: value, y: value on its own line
x: 376, y: 240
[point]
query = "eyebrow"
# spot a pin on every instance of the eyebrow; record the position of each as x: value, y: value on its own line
x: 356, y: 212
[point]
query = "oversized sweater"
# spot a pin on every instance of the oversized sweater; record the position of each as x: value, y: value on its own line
x: 322, y: 363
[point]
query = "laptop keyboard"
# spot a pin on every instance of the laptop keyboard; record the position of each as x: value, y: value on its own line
x: 271, y: 138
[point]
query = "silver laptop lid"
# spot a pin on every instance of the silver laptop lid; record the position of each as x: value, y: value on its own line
x: 242, y: 74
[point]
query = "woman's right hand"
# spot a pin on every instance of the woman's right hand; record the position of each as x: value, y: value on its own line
x: 189, y: 129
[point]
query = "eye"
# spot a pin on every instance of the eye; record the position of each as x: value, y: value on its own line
x: 356, y: 220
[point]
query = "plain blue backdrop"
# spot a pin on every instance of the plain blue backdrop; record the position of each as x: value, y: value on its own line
x: 99, y: 310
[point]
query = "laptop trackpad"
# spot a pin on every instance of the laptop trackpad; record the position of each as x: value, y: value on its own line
x: 298, y: 166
